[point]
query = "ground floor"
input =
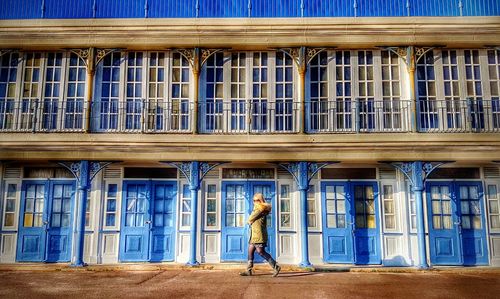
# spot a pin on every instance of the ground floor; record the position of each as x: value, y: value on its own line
x: 354, y: 214
x: 175, y: 283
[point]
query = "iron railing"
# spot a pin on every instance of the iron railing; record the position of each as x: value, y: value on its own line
x: 358, y: 115
x: 457, y: 115
x: 249, y: 116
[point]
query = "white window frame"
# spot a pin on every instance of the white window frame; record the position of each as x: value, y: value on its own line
x: 290, y: 198
x: 17, y: 200
x: 184, y: 184
x: 119, y: 198
x: 217, y: 199
x: 488, y: 200
x: 394, y: 199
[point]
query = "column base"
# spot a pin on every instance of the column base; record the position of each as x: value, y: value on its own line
x: 192, y: 263
x: 305, y: 265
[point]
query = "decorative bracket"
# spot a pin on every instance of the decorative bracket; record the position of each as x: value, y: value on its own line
x: 411, y: 55
x: 197, y: 57
x: 187, y: 169
x: 302, y: 56
x: 409, y: 169
x: 492, y: 47
x: 75, y: 168
x: 91, y: 56
x: 295, y: 169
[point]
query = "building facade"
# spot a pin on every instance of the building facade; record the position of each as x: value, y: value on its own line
x: 138, y: 131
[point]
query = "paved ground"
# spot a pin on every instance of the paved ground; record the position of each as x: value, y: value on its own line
x: 180, y: 283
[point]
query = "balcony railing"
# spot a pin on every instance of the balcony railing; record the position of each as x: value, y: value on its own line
x: 249, y: 116
x: 142, y: 116
x: 34, y: 115
x: 358, y: 115
x: 454, y: 115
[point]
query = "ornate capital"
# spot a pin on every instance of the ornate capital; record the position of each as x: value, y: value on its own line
x: 303, y: 172
x: 91, y: 56
x: 206, y: 53
x: 76, y: 169
x: 417, y: 170
x: 302, y: 56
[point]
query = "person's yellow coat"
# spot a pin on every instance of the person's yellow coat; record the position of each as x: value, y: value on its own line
x: 258, y: 222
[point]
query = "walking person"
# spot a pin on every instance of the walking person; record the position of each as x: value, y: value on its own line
x: 258, y: 235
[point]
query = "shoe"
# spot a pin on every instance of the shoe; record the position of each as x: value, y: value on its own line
x: 275, y: 266
x: 249, y: 270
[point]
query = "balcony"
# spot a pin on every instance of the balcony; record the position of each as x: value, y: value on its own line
x: 251, y: 116
x: 459, y: 116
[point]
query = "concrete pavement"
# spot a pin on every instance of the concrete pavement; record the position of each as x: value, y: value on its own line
x: 169, y: 282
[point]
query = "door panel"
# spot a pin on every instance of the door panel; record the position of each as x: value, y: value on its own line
x: 443, y: 225
x: 236, y: 207
x: 163, y: 230
x: 337, y: 223
x: 134, y: 235
x: 46, y: 218
x: 234, y: 228
x: 472, y: 223
x: 366, y: 225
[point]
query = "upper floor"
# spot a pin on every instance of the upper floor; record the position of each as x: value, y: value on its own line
x: 229, y: 91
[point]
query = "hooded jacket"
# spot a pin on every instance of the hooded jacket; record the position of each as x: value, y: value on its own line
x: 258, y: 223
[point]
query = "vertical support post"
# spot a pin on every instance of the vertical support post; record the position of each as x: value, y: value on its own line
x: 196, y: 81
x: 90, y: 88
x: 302, y: 68
x: 357, y: 114
x: 304, y: 233
x: 194, y: 186
x: 81, y: 203
x: 411, y: 64
x: 417, y: 189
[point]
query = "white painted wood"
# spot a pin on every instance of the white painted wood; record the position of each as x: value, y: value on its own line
x: 110, y: 248
x: 8, y: 250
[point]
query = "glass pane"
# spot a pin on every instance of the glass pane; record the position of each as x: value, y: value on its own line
x: 110, y: 219
x: 56, y: 220
x: 211, y: 192
x: 387, y: 191
x: 230, y: 221
x: 310, y: 206
x: 211, y: 205
x: 370, y: 206
x: 37, y: 221
x: 56, y: 206
x: 112, y: 189
x: 475, y: 208
x: 67, y: 205
x: 330, y: 192
x: 285, y: 206
x: 285, y: 191
x: 111, y: 207
x: 158, y: 220
x: 341, y: 206
x: 465, y: 207
x: 331, y: 221
x: 464, y: 192
x: 11, y: 190
x: 330, y: 206
x: 389, y: 207
x: 473, y: 192
x: 229, y: 206
x: 39, y: 206
x: 436, y: 207
x: 28, y: 220
x: 371, y: 221
x: 129, y: 220
x: 495, y: 221
x: 9, y: 219
x: 445, y: 192
x: 340, y: 192
x: 131, y: 205
x: 447, y: 222
x: 240, y: 220
x: 493, y: 206
x: 285, y: 220
x: 186, y: 206
x: 492, y: 192
x: 389, y: 222
x: 65, y: 220
x: 185, y: 220
x: 436, y: 222
x: 58, y: 190
x: 158, y: 206
x: 211, y: 220
x: 341, y: 221
x: 311, y: 220
x: 435, y: 192
x: 168, y: 220
x: 465, y: 222
x: 360, y: 221
x: 240, y: 206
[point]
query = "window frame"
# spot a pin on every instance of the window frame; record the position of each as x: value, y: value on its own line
x: 17, y: 201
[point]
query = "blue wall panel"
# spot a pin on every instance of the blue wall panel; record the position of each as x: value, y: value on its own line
x: 276, y: 8
x: 172, y: 9
x: 481, y: 7
x: 69, y: 9
x: 223, y: 8
x: 20, y: 9
x: 333, y: 8
x: 120, y: 9
x: 381, y: 8
x: 434, y: 8
x: 32, y: 9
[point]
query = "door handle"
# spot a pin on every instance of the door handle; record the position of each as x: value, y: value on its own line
x: 148, y: 221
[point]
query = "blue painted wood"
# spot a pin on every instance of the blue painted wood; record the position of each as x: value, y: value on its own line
x: 235, y: 238
x: 481, y: 7
x: 172, y: 9
x: 69, y: 9
x: 276, y: 8
x: 120, y: 8
x: 223, y: 8
x: 381, y: 8
x: 334, y: 8
x: 20, y: 9
x: 338, y: 243
x: 49, y: 240
x: 148, y: 221
x: 434, y: 8
x: 135, y: 222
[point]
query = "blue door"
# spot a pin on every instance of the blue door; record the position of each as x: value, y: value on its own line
x: 148, y: 217
x: 236, y: 207
x: 163, y: 231
x: 351, y: 223
x: 136, y: 222
x: 456, y: 223
x: 338, y: 223
x: 366, y: 223
x: 45, y: 225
